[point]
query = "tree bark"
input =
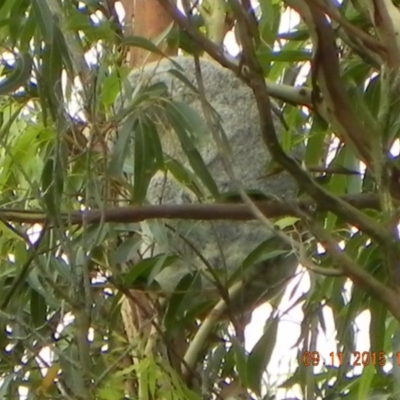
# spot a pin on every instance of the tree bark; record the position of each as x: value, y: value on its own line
x: 149, y: 20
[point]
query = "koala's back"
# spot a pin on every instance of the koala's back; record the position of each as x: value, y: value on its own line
x: 223, y: 244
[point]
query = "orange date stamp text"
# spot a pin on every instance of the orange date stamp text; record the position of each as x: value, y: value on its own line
x: 356, y: 358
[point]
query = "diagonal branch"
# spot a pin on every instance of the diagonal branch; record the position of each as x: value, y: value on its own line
x: 353, y: 31
x: 326, y: 76
x: 386, y: 19
x: 256, y: 78
x: 387, y: 296
x: 287, y: 93
x: 358, y: 275
x: 256, y: 81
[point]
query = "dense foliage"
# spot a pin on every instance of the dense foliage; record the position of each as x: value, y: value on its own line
x: 80, y: 314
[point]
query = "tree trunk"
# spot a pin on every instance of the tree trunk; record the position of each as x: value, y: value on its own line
x: 149, y: 21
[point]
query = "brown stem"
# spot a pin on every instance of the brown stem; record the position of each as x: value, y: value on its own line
x: 195, y: 212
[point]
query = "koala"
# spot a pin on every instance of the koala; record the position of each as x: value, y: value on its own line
x: 222, y: 246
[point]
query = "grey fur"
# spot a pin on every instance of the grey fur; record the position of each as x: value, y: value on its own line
x: 224, y: 244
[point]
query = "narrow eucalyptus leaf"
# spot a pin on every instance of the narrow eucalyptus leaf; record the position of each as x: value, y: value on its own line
x: 155, y: 141
x: 47, y: 184
x: 27, y: 32
x: 241, y: 361
x: 72, y: 377
x: 260, y: 356
x: 182, y: 175
x: 143, y: 43
x: 193, y: 155
x: 64, y: 50
x: 122, y: 145
x: 44, y: 19
x: 50, y: 78
x: 181, y: 76
x: 38, y: 309
x: 191, y: 120
x: 284, y: 56
x: 186, y: 290
x: 144, y: 268
x: 12, y: 13
x: 112, y: 85
x: 263, y: 252
x: 377, y: 329
x: 127, y: 250
x: 365, y: 382
x: 144, y: 167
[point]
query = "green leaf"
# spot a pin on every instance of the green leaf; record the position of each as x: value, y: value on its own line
x: 44, y: 18
x: 183, y: 176
x: 21, y: 72
x: 48, y: 186
x: 27, y: 31
x: 145, y: 162
x: 241, y: 362
x: 111, y: 86
x: 181, y: 76
x: 141, y: 42
x: 127, y: 250
x: 145, y: 268
x: 192, y: 122
x: 193, y: 155
x: 181, y: 299
x: 267, y: 56
x: 63, y: 49
x: 17, y: 15
x: 52, y: 185
x: 365, y: 381
x: 38, y: 309
x: 72, y: 377
x: 179, y: 37
x: 154, y: 138
x: 82, y: 22
x: 316, y: 142
x: 377, y: 328
x: 121, y: 148
x: 285, y: 222
x: 269, y: 25
x: 50, y: 80
x: 260, y: 356
x: 263, y: 252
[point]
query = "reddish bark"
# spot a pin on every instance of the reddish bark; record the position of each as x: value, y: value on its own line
x: 149, y: 20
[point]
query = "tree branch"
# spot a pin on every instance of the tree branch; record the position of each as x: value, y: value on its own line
x: 255, y: 77
x: 358, y: 275
x: 287, y: 93
x: 199, y: 212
